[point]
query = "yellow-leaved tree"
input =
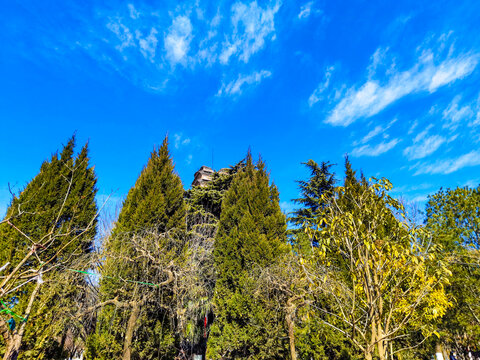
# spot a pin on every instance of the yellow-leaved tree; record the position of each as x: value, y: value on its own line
x: 378, y: 270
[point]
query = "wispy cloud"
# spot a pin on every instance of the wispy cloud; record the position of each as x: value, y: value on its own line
x: 369, y: 150
x: 305, y: 10
x: 150, y: 47
x: 423, y: 145
x: 448, y: 166
x: 317, y: 95
x: 472, y: 183
x: 431, y: 71
x: 123, y: 34
x: 455, y: 114
x: 148, y: 44
x: 287, y: 207
x: 177, y: 40
x: 179, y: 140
x: 134, y: 13
x: 377, y: 130
x: 252, y: 25
x: 235, y: 87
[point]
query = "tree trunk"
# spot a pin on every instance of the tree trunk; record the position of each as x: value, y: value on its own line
x: 439, y: 352
x: 381, y: 345
x: 132, y: 321
x: 291, y: 329
x: 14, y: 347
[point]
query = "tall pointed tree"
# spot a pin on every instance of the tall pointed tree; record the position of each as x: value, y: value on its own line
x: 251, y: 234
x: 134, y: 324
x: 321, y: 182
x: 51, y: 224
x: 204, y: 206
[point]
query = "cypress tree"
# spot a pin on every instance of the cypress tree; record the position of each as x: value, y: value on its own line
x: 57, y: 211
x: 252, y: 232
x: 204, y: 207
x: 154, y: 204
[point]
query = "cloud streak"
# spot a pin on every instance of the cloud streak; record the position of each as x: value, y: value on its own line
x: 423, y: 145
x: 305, y: 10
x: 426, y: 75
x: 448, y: 166
x: 369, y: 150
x: 455, y: 114
x: 237, y: 86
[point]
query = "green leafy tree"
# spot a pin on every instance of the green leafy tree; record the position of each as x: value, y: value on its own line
x: 136, y: 321
x: 251, y: 234
x: 453, y: 216
x: 49, y: 226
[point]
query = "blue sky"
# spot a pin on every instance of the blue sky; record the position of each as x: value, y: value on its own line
x: 393, y: 84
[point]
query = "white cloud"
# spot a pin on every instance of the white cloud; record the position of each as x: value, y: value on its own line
x: 426, y: 75
x: 189, y: 159
x: 251, y: 26
x: 420, y: 198
x: 454, y: 114
x: 413, y: 126
x: 123, y: 34
x: 374, y: 132
x: 148, y: 45
x: 235, y: 87
x: 368, y: 150
x: 305, y: 10
x: 472, y: 183
x: 447, y: 166
x: 177, y: 41
x: 423, y: 145
x: 134, y: 14
x: 378, y: 58
x: 317, y: 94
x: 428, y: 146
x: 179, y: 140
x: 208, y: 46
x: 287, y: 207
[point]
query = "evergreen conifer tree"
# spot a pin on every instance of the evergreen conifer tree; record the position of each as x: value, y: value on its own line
x: 251, y: 233
x: 140, y: 328
x: 55, y: 215
x: 322, y: 181
x: 204, y: 207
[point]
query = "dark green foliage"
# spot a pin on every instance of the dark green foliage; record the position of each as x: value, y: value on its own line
x: 251, y: 234
x: 156, y: 200
x: 321, y: 181
x: 315, y: 340
x: 155, y: 204
x: 204, y: 206
x: 56, y: 210
x: 205, y: 202
x: 59, y: 201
